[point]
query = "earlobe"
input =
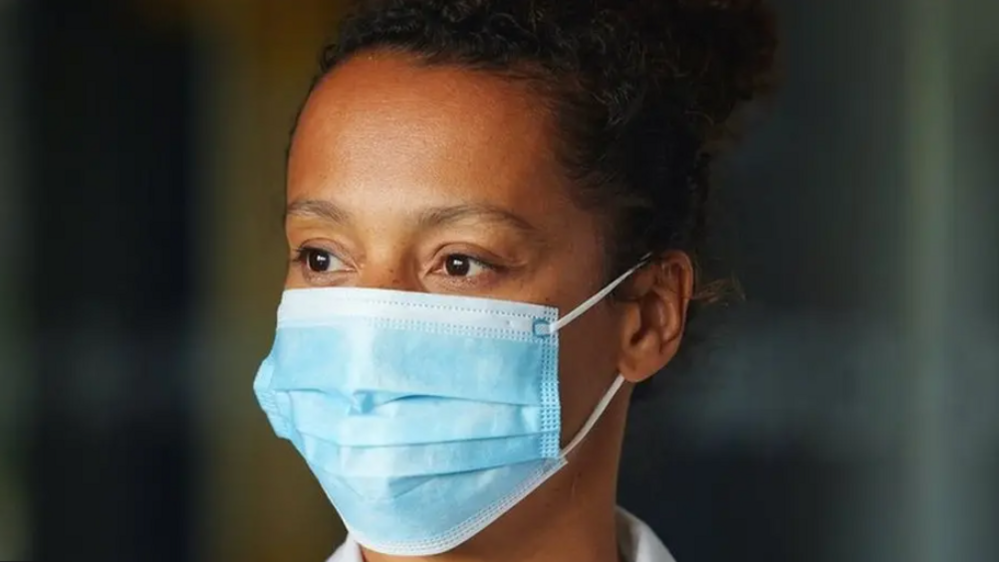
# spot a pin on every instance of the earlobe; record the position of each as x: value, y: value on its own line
x: 654, y: 319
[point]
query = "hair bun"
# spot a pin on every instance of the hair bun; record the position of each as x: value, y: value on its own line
x: 722, y: 50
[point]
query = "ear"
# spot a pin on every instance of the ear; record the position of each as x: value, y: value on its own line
x: 654, y: 315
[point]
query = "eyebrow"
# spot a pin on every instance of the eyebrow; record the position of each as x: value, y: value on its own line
x: 317, y: 208
x: 441, y: 216
x: 434, y: 217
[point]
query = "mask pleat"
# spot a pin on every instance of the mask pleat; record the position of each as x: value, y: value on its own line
x: 420, y: 460
x: 410, y: 420
x: 367, y: 357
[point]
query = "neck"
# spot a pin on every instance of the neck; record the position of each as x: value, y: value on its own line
x: 571, y: 518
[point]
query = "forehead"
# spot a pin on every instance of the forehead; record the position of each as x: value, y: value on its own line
x: 386, y: 119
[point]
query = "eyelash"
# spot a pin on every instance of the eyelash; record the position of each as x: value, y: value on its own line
x: 466, y: 281
x: 303, y: 253
x: 301, y: 259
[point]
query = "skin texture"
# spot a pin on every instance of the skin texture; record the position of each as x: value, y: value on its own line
x: 395, y: 166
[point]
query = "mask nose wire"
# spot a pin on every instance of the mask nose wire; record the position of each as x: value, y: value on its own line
x: 546, y: 329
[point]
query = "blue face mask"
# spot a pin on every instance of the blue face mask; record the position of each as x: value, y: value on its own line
x: 425, y: 417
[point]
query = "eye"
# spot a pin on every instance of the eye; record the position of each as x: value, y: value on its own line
x: 320, y: 261
x: 459, y: 265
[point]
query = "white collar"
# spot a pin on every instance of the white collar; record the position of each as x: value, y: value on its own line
x: 638, y: 543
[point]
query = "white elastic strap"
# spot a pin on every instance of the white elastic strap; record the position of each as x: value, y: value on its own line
x: 588, y: 303
x: 595, y: 416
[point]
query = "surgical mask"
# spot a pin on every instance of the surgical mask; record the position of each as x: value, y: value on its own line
x: 424, y: 417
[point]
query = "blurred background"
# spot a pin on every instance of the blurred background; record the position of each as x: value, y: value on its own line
x: 847, y: 410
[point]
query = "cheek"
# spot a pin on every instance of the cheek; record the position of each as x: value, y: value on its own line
x: 588, y: 353
x: 294, y: 278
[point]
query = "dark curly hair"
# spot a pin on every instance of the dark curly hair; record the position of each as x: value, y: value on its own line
x: 639, y: 91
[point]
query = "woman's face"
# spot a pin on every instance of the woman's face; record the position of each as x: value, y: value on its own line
x: 443, y: 180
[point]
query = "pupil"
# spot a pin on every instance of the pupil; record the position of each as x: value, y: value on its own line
x: 319, y: 261
x: 457, y: 266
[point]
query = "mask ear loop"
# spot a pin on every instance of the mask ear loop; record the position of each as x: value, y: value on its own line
x: 595, y: 416
x: 547, y: 329
x: 608, y: 396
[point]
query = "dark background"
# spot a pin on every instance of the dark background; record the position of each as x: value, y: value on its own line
x: 846, y: 410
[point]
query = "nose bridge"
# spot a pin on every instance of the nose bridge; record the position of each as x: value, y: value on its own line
x: 389, y: 270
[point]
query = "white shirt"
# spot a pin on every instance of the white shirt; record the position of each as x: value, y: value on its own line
x: 638, y: 543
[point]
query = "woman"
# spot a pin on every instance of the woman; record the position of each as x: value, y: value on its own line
x: 466, y: 180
